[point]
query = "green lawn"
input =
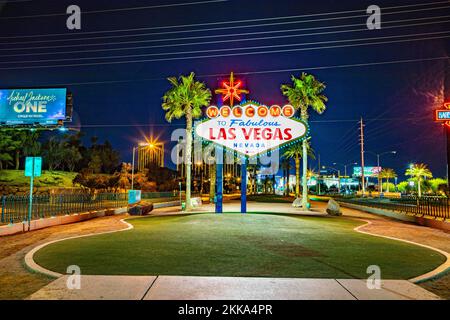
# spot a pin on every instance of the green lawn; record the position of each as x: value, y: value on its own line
x: 16, y: 178
x: 260, y: 245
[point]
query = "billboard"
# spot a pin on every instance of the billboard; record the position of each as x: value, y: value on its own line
x: 368, y: 171
x: 33, y: 106
x: 251, y: 129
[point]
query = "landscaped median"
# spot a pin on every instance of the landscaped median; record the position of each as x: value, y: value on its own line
x: 252, y: 245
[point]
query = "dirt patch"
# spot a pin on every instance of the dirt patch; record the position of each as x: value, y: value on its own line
x: 16, y: 281
x: 282, y: 248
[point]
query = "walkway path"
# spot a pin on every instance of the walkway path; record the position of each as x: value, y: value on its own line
x: 221, y: 288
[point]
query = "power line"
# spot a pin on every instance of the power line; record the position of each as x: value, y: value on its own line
x: 174, y: 32
x: 219, y: 41
x: 249, y: 73
x: 117, y: 9
x: 229, y: 23
x: 183, y: 125
x: 225, y: 55
x: 223, y: 49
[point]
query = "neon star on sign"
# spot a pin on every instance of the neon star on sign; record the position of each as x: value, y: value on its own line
x: 252, y: 129
x: 231, y: 90
x: 443, y: 115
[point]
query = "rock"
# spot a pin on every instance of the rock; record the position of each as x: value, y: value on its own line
x: 141, y: 209
x: 196, y: 202
x: 297, y: 203
x: 333, y: 208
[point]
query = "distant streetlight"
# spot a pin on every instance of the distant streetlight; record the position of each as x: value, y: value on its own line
x: 142, y: 144
x: 378, y: 163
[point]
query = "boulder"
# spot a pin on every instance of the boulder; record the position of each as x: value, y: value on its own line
x: 196, y: 202
x: 141, y: 209
x: 333, y: 208
x: 297, y: 203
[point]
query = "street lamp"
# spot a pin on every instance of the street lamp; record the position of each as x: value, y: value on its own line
x: 378, y: 163
x: 142, y: 144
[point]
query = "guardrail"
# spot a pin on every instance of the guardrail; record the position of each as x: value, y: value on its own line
x: 15, y: 208
x: 435, y: 207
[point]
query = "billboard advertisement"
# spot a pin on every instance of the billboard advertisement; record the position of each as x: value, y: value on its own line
x: 33, y: 106
x: 368, y: 171
x: 251, y: 129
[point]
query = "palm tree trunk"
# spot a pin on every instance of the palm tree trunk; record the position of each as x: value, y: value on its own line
x: 387, y: 184
x: 305, y: 179
x: 286, y: 183
x: 188, y: 159
x: 419, y: 189
x: 212, y: 183
x: 297, y: 175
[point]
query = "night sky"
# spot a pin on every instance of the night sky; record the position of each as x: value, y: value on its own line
x: 121, y: 102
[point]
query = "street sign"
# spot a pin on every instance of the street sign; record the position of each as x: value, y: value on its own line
x: 33, y: 167
x: 443, y: 115
x: 134, y: 196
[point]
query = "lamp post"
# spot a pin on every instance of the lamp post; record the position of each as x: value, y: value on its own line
x: 378, y: 163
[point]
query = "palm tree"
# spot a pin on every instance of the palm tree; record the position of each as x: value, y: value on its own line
x: 387, y: 173
x: 186, y: 99
x: 419, y: 171
x: 305, y: 92
x: 286, y: 166
x: 296, y: 152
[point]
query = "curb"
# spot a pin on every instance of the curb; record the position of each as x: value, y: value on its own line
x: 30, y: 263
x: 443, y: 268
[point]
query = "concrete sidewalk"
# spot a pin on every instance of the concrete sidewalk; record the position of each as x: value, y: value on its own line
x: 223, y: 288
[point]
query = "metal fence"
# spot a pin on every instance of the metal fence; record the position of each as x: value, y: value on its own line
x: 15, y: 208
x: 435, y: 207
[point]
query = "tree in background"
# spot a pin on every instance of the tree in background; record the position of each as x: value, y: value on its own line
x: 387, y: 174
x: 419, y: 172
x: 186, y: 98
x: 286, y: 167
x: 295, y: 152
x: 72, y: 156
x: 6, y: 148
x: 54, y: 152
x: 304, y: 93
x: 439, y: 186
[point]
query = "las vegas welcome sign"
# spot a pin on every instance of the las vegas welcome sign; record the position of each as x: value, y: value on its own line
x: 251, y: 129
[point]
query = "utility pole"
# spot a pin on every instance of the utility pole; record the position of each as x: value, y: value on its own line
x: 446, y: 100
x: 362, y: 157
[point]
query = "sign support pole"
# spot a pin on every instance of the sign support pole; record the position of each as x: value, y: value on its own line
x: 30, y: 204
x: 244, y: 185
x: 219, y: 179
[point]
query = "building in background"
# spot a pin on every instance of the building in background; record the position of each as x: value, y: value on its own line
x: 150, y: 156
